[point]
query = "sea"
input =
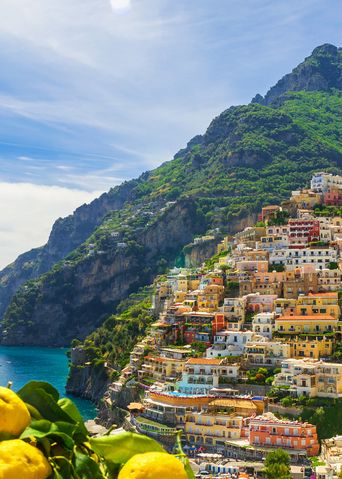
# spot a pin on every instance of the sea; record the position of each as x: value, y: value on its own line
x: 23, y: 364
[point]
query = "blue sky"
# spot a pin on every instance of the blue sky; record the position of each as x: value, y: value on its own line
x: 93, y: 92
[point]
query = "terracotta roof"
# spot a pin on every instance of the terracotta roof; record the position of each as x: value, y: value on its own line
x: 313, y: 317
x: 135, y: 405
x: 204, y: 361
x: 318, y: 295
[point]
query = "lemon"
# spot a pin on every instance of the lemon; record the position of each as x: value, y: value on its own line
x: 153, y: 465
x: 14, y: 415
x: 20, y: 460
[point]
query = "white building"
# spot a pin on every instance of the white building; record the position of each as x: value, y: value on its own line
x: 323, y: 182
x: 311, y: 378
x: 272, y: 242
x: 264, y: 324
x: 202, y: 374
x: 231, y: 343
x: 325, y: 229
x: 318, y: 257
x: 267, y: 353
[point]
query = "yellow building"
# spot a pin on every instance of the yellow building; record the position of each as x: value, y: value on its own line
x: 224, y: 245
x: 317, y: 323
x: 266, y: 353
x: 179, y: 296
x: 212, y: 429
x: 161, y: 368
x: 307, y: 348
x: 320, y: 304
x: 306, y: 199
x: 210, y: 297
x: 282, y: 304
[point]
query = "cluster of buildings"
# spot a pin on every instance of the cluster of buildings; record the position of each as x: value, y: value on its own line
x: 269, y: 305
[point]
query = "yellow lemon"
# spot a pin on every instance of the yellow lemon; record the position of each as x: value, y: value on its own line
x: 19, y: 460
x: 153, y: 465
x: 14, y: 415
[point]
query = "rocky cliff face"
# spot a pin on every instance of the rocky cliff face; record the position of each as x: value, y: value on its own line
x: 88, y: 382
x: 91, y: 381
x: 66, y: 235
x: 195, y: 254
x: 81, y: 295
x: 319, y: 72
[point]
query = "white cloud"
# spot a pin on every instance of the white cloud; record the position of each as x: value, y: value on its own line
x: 120, y: 4
x: 28, y: 212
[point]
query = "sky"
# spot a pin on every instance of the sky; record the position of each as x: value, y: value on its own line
x: 93, y: 92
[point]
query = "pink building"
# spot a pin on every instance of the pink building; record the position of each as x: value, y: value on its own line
x: 260, y: 303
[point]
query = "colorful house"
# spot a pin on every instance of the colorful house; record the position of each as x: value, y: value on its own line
x: 266, y: 353
x: 200, y: 375
x: 310, y: 378
x: 161, y: 368
x: 270, y: 432
x: 301, y: 324
x: 320, y: 347
x: 303, y: 231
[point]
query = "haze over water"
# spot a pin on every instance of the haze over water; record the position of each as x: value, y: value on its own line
x: 23, y: 364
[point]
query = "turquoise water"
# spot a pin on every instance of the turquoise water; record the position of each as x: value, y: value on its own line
x: 22, y: 364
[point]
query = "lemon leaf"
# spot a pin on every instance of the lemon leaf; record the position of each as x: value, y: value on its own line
x: 71, y: 409
x: 31, y: 386
x: 119, y: 448
x: 46, y: 405
x: 85, y: 467
x: 45, y: 429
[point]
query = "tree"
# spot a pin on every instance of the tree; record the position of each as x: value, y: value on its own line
x: 277, y: 465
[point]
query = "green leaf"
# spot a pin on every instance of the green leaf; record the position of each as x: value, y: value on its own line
x: 34, y: 413
x: 119, y: 448
x: 46, y: 405
x: 45, y: 429
x: 85, y: 467
x: 31, y: 386
x: 70, y: 408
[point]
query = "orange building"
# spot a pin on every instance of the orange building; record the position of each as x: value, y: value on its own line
x: 269, y: 431
x: 269, y: 212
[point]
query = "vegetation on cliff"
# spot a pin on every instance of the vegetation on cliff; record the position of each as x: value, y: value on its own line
x: 113, y: 341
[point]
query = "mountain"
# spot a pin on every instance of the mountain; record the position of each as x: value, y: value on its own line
x: 250, y: 155
x: 321, y: 71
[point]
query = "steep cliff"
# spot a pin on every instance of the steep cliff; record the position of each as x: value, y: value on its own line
x: 249, y: 156
x: 81, y: 293
x: 66, y: 235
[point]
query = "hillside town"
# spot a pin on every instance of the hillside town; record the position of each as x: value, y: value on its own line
x: 242, y: 343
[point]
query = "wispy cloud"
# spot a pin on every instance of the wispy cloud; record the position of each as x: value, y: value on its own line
x: 28, y: 212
